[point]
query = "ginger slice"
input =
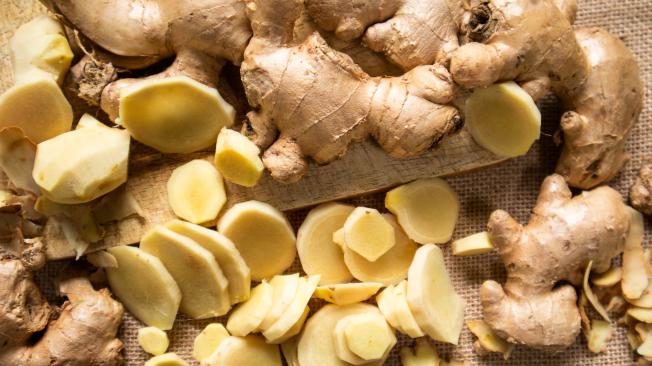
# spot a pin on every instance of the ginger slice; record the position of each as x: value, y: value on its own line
x: 142, y: 283
x: 102, y: 259
x: 296, y: 328
x: 99, y: 151
x: 292, y: 314
x: 475, y: 244
x: 166, y: 359
x: 237, y: 158
x: 609, y: 278
x: 227, y: 256
x: 438, y: 309
x: 17, y: 154
x: 208, y: 340
x: 247, y: 317
x: 174, y: 114
x: 200, y: 279
x: 285, y: 289
x: 407, y: 324
x: 424, y: 354
x: 347, y: 293
x: 240, y: 351
x: 153, y: 340
x: 488, y: 340
x: 318, y: 253
x: 503, y: 119
x: 390, y: 268
x: 635, y: 277
x: 263, y: 236
x: 427, y: 209
x: 387, y: 305
x: 361, y: 338
x: 640, y: 314
x: 196, y: 191
x: 368, y: 234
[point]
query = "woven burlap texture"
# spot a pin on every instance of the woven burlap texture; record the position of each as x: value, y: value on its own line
x: 512, y: 186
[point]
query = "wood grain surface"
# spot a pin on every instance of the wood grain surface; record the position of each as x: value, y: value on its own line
x: 365, y: 168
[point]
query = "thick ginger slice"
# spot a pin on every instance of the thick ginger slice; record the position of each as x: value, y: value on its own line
x: 236, y: 157
x: 598, y: 229
x: 153, y: 340
x: 241, y: 351
x: 478, y: 243
x: 166, y: 359
x: 291, y: 86
x: 367, y: 233
x: 208, y: 340
x: 361, y: 338
x: 640, y: 193
x: 196, y: 191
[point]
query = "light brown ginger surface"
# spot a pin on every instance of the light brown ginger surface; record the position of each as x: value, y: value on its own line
x: 640, y: 194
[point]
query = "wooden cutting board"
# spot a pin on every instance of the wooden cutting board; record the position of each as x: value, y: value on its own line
x: 365, y: 168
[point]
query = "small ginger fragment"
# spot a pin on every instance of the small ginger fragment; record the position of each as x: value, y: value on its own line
x: 208, y: 340
x: 475, y: 244
x: 635, y: 277
x: 17, y: 154
x: 424, y: 354
x: 166, y: 359
x: 609, y: 278
x: 599, y: 335
x: 488, y: 340
x: 241, y: 351
x: 153, y: 340
x: 237, y: 158
x: 367, y: 233
x: 347, y: 293
x: 196, y: 191
x: 503, y: 119
x: 427, y: 209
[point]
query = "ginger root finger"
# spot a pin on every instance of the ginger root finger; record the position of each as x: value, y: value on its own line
x: 640, y: 194
x: 522, y: 311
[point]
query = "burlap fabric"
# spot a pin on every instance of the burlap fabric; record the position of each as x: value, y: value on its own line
x: 512, y: 186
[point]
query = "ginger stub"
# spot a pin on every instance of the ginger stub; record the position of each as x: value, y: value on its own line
x: 153, y: 340
x: 208, y: 340
x: 196, y: 191
x: 236, y: 158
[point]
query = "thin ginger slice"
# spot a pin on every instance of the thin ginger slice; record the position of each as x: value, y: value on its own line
x: 641, y: 314
x: 102, y: 259
x: 609, y: 278
x: 237, y: 158
x: 208, y: 340
x: 347, y: 293
x: 153, y: 340
x: 386, y: 305
x: 17, y: 154
x: 406, y: 321
x: 263, y: 236
x: 361, y: 338
x: 475, y: 244
x: 293, y: 313
x: 318, y: 253
x: 285, y: 289
x: 247, y: 317
x: 424, y: 354
x: 240, y: 351
x: 196, y: 191
x: 503, y: 119
x: 296, y: 328
x: 290, y: 351
x: 368, y: 234
x: 142, y: 283
x: 427, y: 209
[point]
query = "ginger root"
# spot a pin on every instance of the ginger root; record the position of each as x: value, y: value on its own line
x: 640, y: 194
x: 530, y: 309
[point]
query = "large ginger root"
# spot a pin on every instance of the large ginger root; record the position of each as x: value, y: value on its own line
x: 562, y: 236
x: 641, y: 192
x: 600, y: 113
x: 321, y: 101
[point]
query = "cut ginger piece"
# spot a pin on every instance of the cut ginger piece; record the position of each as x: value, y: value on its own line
x: 296, y: 328
x: 475, y: 244
x: 391, y: 267
x: 609, y: 278
x: 196, y: 191
x: 635, y: 277
x: 17, y: 154
x: 102, y: 259
x: 145, y: 287
x: 285, y: 289
x: 386, y: 304
x: 347, y: 293
x: 82, y: 165
x: 641, y: 314
x: 227, y: 256
x: 208, y: 340
x: 362, y: 338
x: 318, y: 253
x: 174, y: 114
x: 275, y: 333
x: 438, y: 309
x: 406, y: 321
x: 263, y: 236
x: 200, y: 279
x: 153, y: 340
x: 591, y: 296
x: 368, y: 234
x: 424, y: 354
x: 503, y: 119
x: 427, y: 209
x: 488, y: 340
x: 237, y: 158
x: 244, y: 351
x: 166, y: 359
x: 599, y: 335
x: 247, y: 317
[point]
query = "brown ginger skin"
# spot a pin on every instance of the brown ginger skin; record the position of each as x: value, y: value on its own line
x: 564, y: 233
x: 601, y: 113
x: 318, y: 101
x: 640, y: 194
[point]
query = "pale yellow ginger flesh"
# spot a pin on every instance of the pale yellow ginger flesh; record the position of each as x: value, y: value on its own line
x: 200, y: 279
x: 503, y: 119
x: 361, y: 338
x: 145, y: 287
x: 424, y: 354
x: 262, y: 235
x: 285, y: 288
x: 276, y: 332
x: 591, y: 296
x: 166, y: 359
x: 390, y: 268
x: 367, y: 233
x: 295, y: 329
x: 635, y: 278
x: 488, y: 340
x: 208, y: 340
x: 406, y: 322
x: 102, y: 259
x: 40, y: 57
x: 347, y: 293
x: 609, y: 278
x: 246, y: 318
x: 237, y: 158
x: 153, y: 340
x: 438, y: 309
x: 317, y: 345
x: 158, y: 113
x: 641, y: 314
x: 475, y: 244
x: 241, y: 351
x: 427, y: 209
x: 82, y: 165
x: 645, y: 349
x: 17, y: 155
x: 196, y: 191
x: 290, y: 352
x: 227, y: 256
x: 387, y: 306
x: 117, y: 205
x: 318, y: 253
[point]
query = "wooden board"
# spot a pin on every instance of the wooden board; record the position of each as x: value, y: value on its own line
x: 366, y: 168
